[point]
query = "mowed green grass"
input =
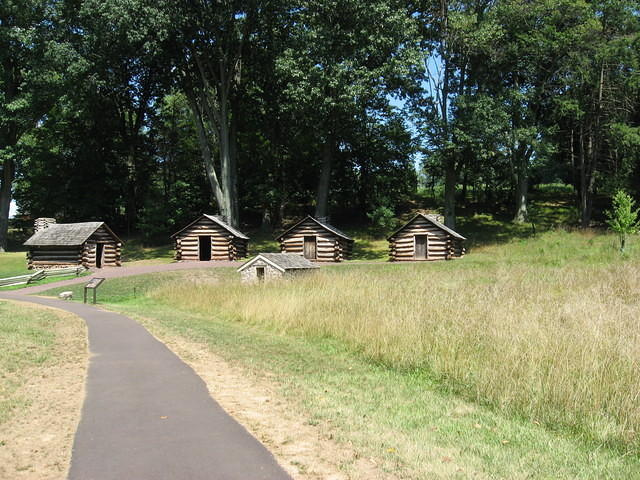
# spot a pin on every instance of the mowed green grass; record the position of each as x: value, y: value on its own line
x: 518, y: 361
x: 13, y: 264
x: 27, y: 341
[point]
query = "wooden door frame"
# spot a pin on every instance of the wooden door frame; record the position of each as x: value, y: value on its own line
x: 200, y: 237
x: 426, y: 246
x: 315, y: 250
x: 101, y: 249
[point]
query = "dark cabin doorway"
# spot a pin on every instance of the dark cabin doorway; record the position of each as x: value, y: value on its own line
x: 420, y: 252
x: 99, y: 254
x: 260, y: 273
x: 204, y: 248
x: 310, y: 247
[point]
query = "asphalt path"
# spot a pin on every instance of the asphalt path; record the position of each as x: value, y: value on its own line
x: 148, y: 415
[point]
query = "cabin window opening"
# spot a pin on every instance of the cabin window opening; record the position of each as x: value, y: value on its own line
x: 421, y: 247
x: 310, y: 250
x: 260, y: 273
x: 204, y: 248
x: 99, y: 254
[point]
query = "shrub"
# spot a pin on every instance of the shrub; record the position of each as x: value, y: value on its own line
x: 623, y: 219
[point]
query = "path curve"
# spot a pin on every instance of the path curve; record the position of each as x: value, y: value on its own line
x: 147, y: 415
x: 117, y: 272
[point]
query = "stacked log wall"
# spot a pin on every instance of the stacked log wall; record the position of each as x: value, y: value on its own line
x: 329, y: 247
x: 53, y: 257
x: 112, y: 253
x: 441, y: 245
x: 224, y: 245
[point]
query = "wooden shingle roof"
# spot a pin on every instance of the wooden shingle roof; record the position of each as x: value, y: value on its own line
x: 281, y: 261
x: 66, y: 234
x: 431, y: 219
x: 324, y: 225
x: 217, y: 220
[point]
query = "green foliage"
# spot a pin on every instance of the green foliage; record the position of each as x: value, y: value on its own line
x: 490, y: 98
x: 623, y: 218
x: 382, y: 218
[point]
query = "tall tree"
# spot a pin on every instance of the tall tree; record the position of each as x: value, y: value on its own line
x: 214, y: 37
x: 454, y: 32
x: 127, y: 42
x: 37, y: 61
x: 345, y: 57
x: 597, y: 107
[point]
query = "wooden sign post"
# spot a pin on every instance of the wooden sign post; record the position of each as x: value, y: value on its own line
x: 93, y: 284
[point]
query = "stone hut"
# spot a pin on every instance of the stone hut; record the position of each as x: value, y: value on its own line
x: 316, y: 240
x: 424, y: 237
x: 209, y: 237
x: 90, y: 244
x: 269, y: 266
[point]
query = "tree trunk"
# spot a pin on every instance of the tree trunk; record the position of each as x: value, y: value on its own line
x: 322, y: 195
x: 265, y: 224
x: 8, y: 176
x: 583, y: 181
x: 465, y: 183
x: 450, y: 183
x: 131, y: 208
x: 587, y: 180
x: 521, y: 194
x: 225, y: 186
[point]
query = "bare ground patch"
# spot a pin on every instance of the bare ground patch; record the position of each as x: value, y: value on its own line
x: 36, y: 441
x: 305, y: 451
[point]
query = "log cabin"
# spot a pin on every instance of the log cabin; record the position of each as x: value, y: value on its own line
x: 316, y: 241
x: 423, y: 238
x: 90, y: 244
x: 209, y: 237
x: 270, y: 266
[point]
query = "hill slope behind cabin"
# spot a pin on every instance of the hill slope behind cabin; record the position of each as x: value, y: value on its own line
x: 519, y: 360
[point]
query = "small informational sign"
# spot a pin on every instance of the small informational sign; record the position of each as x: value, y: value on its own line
x: 93, y: 284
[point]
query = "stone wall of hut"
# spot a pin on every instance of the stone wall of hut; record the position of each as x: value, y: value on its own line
x: 250, y: 274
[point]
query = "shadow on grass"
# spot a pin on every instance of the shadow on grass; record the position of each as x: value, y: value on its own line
x: 549, y: 208
x: 370, y: 249
x: 134, y: 250
x: 262, y: 242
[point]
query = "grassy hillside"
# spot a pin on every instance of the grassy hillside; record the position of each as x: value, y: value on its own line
x: 541, y: 331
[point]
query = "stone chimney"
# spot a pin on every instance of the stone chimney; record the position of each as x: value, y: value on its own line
x: 42, y: 223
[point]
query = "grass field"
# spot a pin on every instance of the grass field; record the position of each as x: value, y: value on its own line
x: 518, y: 361
x: 28, y: 341
x: 13, y: 264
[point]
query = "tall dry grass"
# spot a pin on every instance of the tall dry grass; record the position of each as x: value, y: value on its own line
x: 559, y: 345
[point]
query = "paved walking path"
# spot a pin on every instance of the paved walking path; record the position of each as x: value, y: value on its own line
x: 147, y: 415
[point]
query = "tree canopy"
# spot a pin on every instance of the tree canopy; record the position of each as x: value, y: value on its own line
x: 145, y: 114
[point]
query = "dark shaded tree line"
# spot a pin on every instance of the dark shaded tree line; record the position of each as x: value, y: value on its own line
x: 146, y: 113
